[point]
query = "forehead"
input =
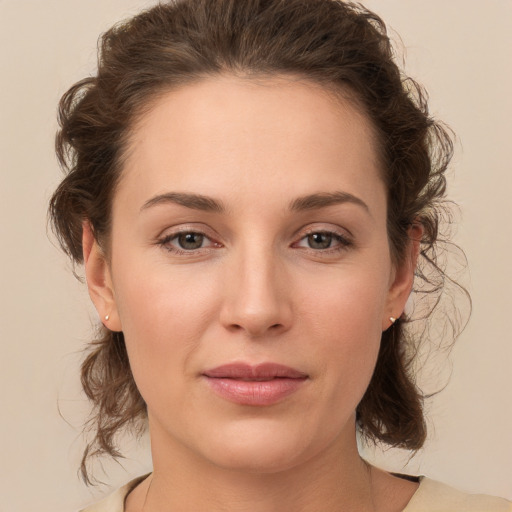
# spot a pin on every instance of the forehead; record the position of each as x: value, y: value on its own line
x: 252, y: 134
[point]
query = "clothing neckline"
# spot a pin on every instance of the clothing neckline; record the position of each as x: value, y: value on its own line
x: 130, y: 486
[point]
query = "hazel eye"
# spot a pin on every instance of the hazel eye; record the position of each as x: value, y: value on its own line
x: 319, y: 240
x: 190, y: 241
x: 186, y: 241
x: 323, y: 241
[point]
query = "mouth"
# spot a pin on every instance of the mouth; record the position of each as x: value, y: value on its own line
x: 261, y: 385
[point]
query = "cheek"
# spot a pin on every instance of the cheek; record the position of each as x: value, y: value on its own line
x: 349, y: 303
x: 163, y: 317
x: 345, y: 323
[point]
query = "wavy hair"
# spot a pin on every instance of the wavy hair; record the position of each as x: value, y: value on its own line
x: 339, y: 45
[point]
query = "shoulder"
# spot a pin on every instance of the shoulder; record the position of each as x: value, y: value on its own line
x: 115, y: 502
x: 433, y: 496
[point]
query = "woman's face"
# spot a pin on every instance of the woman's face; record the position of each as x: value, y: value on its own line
x: 249, y: 229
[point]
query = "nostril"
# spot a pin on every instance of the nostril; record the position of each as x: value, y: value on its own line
x: 256, y: 317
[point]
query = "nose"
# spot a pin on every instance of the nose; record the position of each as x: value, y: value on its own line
x: 257, y: 295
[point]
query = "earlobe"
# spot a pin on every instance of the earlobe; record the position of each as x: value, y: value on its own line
x: 99, y: 281
x: 403, y: 278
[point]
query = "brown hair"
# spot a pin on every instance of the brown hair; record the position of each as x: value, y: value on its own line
x: 333, y: 43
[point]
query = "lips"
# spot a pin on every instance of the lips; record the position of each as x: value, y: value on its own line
x: 259, y: 385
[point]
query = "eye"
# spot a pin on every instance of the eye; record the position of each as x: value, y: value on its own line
x: 186, y: 241
x: 319, y: 240
x: 323, y: 241
x: 190, y: 241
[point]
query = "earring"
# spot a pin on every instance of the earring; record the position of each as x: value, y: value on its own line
x: 392, y: 320
x: 106, y: 318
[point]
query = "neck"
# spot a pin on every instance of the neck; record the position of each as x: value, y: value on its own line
x: 334, y: 480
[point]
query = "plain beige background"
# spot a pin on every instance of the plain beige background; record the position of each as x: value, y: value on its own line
x: 460, y: 49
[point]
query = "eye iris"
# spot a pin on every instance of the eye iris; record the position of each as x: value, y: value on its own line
x: 320, y: 240
x: 190, y: 240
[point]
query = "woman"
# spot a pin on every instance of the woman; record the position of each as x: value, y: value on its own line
x: 252, y: 187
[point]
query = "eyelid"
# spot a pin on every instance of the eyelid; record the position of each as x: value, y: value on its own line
x: 171, y: 233
x: 324, y: 228
x: 192, y: 227
x: 343, y: 237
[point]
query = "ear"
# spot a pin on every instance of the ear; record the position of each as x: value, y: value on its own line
x: 99, y: 280
x: 402, y: 278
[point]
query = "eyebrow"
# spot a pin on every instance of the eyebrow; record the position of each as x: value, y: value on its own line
x: 324, y: 199
x: 208, y: 204
x: 193, y: 201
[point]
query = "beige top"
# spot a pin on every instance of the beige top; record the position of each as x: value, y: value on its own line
x: 431, y: 496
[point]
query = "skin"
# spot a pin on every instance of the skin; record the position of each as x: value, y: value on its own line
x: 258, y: 289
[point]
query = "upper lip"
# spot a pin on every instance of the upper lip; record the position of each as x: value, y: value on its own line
x: 245, y: 371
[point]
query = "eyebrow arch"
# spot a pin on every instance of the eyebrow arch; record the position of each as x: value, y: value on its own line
x: 324, y: 199
x: 194, y: 201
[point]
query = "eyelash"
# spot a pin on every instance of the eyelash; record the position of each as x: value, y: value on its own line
x: 342, y: 242
x: 165, y: 242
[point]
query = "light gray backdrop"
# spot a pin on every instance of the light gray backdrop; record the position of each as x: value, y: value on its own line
x: 460, y: 49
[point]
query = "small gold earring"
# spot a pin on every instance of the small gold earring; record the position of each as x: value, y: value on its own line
x: 106, y: 318
x: 392, y: 319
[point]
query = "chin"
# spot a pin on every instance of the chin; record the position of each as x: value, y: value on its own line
x: 259, y: 459
x: 253, y: 447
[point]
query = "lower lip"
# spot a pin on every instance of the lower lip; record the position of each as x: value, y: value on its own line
x: 243, y: 392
